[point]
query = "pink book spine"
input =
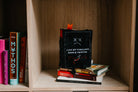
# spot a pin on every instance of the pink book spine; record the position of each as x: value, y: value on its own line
x: 5, y: 59
x: 2, y: 48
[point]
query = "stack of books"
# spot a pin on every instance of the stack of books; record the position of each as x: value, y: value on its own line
x: 13, y: 59
x: 75, y: 58
x: 91, y: 75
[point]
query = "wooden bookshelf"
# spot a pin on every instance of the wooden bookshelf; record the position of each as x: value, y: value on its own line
x: 113, y: 25
x: 19, y: 87
x: 46, y: 81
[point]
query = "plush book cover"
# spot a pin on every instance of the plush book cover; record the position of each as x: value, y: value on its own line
x: 98, y: 69
x: 22, y: 60
x: 5, y: 65
x: 2, y: 48
x: 75, y: 48
x: 14, y: 57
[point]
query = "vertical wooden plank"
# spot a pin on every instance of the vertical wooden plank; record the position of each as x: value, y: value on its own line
x: 121, y: 29
x: 124, y: 35
x: 34, y: 46
x: 132, y: 53
x: 28, y: 28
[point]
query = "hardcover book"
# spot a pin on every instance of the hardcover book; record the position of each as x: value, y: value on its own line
x: 26, y: 66
x: 22, y: 60
x: 78, y: 75
x: 75, y: 48
x: 14, y: 57
x: 94, y: 69
x: 98, y: 69
x: 85, y: 71
x: 5, y: 60
x: 85, y: 76
x: 2, y: 48
x: 77, y: 80
x: 65, y: 74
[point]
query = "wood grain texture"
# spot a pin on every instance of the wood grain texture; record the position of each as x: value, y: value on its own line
x: 54, y: 91
x: 108, y: 91
x: 46, y: 81
x: 34, y: 46
x: 105, y: 33
x: 28, y: 9
x: 123, y: 39
x: 113, y: 23
x: 133, y: 29
x: 17, y: 88
x: 16, y: 91
x: 79, y: 91
x: 57, y: 14
x: 83, y: 14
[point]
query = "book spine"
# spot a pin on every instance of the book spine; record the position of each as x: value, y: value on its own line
x: 26, y: 65
x: 85, y: 71
x: 85, y: 76
x: 65, y: 74
x: 5, y: 59
x: 65, y: 69
x: 61, y: 49
x: 14, y: 58
x: 84, y: 82
x: 2, y: 48
x: 18, y: 55
x: 22, y: 60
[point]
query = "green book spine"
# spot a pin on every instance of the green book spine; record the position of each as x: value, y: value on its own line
x: 18, y: 55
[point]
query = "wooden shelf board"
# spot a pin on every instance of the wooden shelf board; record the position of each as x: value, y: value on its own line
x: 46, y: 81
x: 19, y: 87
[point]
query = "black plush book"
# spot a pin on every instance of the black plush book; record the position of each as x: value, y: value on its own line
x: 75, y: 48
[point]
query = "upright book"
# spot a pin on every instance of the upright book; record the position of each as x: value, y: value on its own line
x: 5, y: 66
x: 79, y: 80
x: 75, y: 48
x: 14, y: 57
x: 2, y: 48
x: 26, y: 66
x: 22, y: 60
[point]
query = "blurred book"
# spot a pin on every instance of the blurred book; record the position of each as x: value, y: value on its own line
x: 78, y: 80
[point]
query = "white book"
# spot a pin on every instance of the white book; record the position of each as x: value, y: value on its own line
x: 99, y: 80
